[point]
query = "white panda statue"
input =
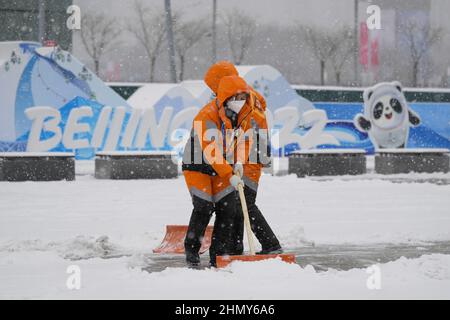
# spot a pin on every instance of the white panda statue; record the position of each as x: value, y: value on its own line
x: 387, y: 117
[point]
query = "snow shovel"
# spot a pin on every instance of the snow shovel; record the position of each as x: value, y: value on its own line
x: 173, y: 241
x: 223, y: 261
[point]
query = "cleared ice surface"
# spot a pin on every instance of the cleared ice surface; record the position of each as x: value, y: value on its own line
x: 109, y: 228
x: 324, y: 257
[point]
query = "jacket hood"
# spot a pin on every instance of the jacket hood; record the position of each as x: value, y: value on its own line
x: 217, y: 71
x: 229, y: 86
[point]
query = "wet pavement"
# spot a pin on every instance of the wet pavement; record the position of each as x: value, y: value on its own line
x: 345, y: 257
x: 324, y: 257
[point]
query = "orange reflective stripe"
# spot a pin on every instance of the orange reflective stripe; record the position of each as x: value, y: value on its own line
x: 199, y: 184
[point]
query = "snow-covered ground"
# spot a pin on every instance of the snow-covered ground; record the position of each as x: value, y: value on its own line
x: 108, y: 229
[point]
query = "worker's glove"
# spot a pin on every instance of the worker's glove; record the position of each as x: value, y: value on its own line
x: 238, y: 169
x: 235, y: 181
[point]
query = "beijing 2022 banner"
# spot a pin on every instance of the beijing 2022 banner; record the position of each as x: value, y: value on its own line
x: 50, y: 101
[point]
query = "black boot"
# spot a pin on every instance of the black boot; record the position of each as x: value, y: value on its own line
x: 212, y: 264
x: 198, y: 223
x: 192, y: 259
x: 222, y: 241
x: 273, y: 250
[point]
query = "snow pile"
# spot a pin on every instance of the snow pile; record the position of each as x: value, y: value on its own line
x: 82, y: 247
x: 89, y: 247
x: 43, y: 275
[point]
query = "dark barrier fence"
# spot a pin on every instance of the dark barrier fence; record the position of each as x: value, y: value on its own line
x: 39, y: 166
x: 135, y: 165
x: 325, y: 94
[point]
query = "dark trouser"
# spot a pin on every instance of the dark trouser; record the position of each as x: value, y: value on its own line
x: 259, y: 225
x: 201, y: 214
x: 223, y: 236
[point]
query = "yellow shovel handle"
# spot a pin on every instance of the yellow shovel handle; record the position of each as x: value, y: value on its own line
x: 248, y: 227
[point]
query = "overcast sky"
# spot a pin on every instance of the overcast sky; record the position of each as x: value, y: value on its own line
x: 282, y: 12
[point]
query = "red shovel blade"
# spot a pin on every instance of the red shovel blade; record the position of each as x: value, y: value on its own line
x: 223, y: 261
x: 173, y: 241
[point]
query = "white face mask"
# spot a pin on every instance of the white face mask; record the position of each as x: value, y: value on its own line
x: 236, y: 105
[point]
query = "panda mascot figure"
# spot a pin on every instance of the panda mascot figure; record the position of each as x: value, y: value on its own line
x: 386, y: 117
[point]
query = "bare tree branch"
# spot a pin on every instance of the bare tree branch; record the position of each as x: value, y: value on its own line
x: 419, y: 39
x: 240, y: 29
x: 322, y: 45
x: 187, y: 35
x: 149, y: 30
x: 343, y: 39
x: 99, y: 36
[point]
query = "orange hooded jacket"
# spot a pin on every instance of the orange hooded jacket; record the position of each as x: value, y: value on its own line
x: 214, y: 129
x: 221, y: 69
x: 207, y: 167
x: 213, y: 184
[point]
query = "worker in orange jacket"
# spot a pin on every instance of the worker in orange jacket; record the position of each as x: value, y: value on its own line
x: 209, y: 189
x: 250, y: 170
